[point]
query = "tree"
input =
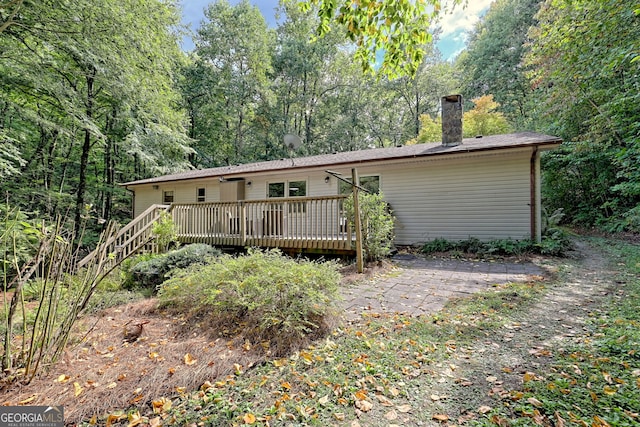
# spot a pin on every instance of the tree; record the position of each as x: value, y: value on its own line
x: 493, y: 60
x: 235, y: 46
x: 585, y: 70
x: 483, y: 119
x: 85, y: 82
x: 397, y: 28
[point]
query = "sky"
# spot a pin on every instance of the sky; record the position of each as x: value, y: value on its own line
x: 455, y: 26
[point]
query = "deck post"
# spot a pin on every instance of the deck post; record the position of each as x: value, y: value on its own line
x: 243, y: 223
x: 356, y: 209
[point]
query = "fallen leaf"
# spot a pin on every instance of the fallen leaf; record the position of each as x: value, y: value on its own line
x: 383, y: 400
x: 440, y: 417
x: 249, y: 418
x: 364, y: 405
x: 28, y: 399
x: 361, y: 395
x: 355, y: 424
x: 394, y: 392
x: 528, y: 376
x: 339, y: 416
x: 391, y: 415
x: 161, y: 405
x: 484, y: 409
x: 404, y: 408
x: 135, y: 419
x: 238, y: 369
x: 188, y: 359
x: 155, y: 422
x: 491, y: 379
x: 112, y: 385
x: 435, y: 397
x: 77, y: 389
x: 535, y: 402
x: 610, y: 391
x: 63, y: 378
x: 324, y: 400
x: 114, y: 418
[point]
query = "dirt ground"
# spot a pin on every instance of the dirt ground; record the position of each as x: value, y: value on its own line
x: 100, y: 372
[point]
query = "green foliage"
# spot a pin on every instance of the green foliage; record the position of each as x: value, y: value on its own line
x: 377, y: 224
x: 399, y: 28
x: 164, y: 232
x: 69, y: 104
x: 266, y: 296
x: 437, y: 245
x: 582, y: 56
x: 18, y: 240
x: 149, y: 271
x: 579, y: 178
x: 554, y: 242
x: 492, y: 62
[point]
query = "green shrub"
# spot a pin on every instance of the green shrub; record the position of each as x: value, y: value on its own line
x: 437, y: 245
x: 263, y: 295
x: 149, y: 271
x: 377, y: 224
x: 164, y: 232
x: 554, y: 242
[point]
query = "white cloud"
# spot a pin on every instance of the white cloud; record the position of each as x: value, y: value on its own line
x: 462, y: 19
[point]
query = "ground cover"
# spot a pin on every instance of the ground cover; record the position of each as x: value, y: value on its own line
x: 548, y: 352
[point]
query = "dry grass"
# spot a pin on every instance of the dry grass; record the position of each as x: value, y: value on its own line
x: 110, y: 373
x: 175, y: 354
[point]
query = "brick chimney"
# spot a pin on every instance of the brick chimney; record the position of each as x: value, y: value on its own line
x: 451, y: 120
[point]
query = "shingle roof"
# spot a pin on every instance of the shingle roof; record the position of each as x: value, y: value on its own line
x: 494, y: 142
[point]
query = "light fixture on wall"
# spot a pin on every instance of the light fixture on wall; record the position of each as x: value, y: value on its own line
x: 156, y: 187
x: 248, y: 183
x: 327, y: 179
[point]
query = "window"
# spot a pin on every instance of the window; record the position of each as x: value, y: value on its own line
x: 371, y: 183
x: 167, y: 197
x: 297, y: 188
x: 290, y: 188
x: 200, y: 195
x: 276, y: 189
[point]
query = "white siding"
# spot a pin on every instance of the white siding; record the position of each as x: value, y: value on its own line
x: 484, y: 195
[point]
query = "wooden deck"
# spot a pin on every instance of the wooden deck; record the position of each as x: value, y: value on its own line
x: 309, y: 223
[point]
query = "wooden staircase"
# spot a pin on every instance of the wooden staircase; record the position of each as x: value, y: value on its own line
x: 132, y: 238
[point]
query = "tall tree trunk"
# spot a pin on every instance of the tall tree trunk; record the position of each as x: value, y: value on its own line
x: 84, y: 158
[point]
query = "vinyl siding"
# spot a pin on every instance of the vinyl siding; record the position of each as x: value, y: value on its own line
x: 484, y: 195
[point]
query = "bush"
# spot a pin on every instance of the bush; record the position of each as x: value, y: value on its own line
x: 264, y: 296
x: 377, y: 224
x: 554, y: 242
x: 149, y: 271
x: 438, y: 245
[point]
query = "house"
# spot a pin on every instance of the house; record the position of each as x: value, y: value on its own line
x: 485, y: 187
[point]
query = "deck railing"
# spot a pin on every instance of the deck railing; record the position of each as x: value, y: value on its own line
x: 132, y: 237
x: 301, y: 222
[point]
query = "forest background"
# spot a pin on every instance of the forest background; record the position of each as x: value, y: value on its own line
x: 96, y: 93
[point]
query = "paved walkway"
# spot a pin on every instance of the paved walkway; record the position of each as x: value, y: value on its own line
x: 422, y: 286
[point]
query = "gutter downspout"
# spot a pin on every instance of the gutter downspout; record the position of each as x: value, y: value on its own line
x: 535, y: 196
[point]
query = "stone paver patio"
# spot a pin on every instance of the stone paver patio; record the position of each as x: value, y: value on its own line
x: 422, y: 286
